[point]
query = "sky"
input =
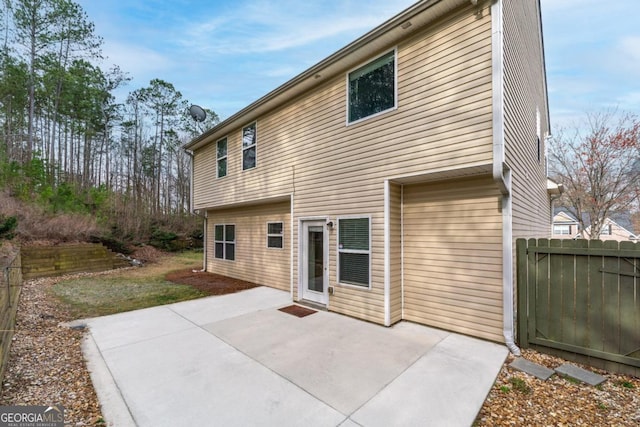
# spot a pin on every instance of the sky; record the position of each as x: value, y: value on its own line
x: 223, y: 55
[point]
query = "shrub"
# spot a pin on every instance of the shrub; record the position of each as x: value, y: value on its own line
x: 7, y: 227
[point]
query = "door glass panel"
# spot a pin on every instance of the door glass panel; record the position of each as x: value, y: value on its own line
x: 316, y: 259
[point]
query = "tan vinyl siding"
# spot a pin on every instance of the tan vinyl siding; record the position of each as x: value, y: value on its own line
x: 396, y: 252
x: 453, y: 256
x: 254, y: 262
x: 443, y: 120
x: 524, y: 92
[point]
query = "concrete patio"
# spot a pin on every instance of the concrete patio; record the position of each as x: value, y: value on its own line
x: 236, y: 360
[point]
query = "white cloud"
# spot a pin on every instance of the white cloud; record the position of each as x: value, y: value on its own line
x: 259, y: 27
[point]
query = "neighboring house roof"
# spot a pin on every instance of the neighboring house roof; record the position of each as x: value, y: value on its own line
x: 620, y: 220
x: 390, y: 32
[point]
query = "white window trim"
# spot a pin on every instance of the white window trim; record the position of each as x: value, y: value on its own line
x: 353, y: 251
x: 275, y: 235
x: 242, y: 147
x: 224, y: 248
x: 395, y: 87
x: 226, y: 157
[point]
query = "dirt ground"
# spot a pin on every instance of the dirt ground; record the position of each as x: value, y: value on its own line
x: 209, y: 283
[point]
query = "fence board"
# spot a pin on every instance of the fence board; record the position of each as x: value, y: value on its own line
x: 543, y: 290
x: 568, y: 317
x: 582, y: 296
x: 595, y: 299
x: 554, y: 302
x: 611, y: 301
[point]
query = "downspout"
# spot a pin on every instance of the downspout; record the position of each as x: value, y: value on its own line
x: 502, y: 176
x: 197, y: 213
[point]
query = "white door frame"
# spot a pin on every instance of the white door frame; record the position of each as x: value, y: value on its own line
x: 303, y: 292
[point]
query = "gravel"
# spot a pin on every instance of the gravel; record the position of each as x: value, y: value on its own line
x: 46, y: 367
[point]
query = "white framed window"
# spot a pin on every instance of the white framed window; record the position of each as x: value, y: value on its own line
x: 372, y: 88
x: 354, y: 251
x: 275, y: 235
x: 249, y: 146
x: 606, y: 230
x: 225, y: 241
x: 563, y: 229
x: 221, y: 158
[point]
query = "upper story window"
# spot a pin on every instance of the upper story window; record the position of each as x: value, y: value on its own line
x: 221, y: 157
x: 372, y: 88
x: 249, y: 146
x: 562, y: 229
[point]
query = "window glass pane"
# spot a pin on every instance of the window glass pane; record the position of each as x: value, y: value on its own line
x: 230, y: 233
x: 274, y: 228
x: 354, y: 269
x: 249, y: 135
x: 219, y: 234
x: 372, y: 88
x: 249, y: 158
x: 219, y: 252
x: 354, y: 234
x: 222, y: 148
x: 222, y: 168
x: 230, y: 253
x: 274, y: 242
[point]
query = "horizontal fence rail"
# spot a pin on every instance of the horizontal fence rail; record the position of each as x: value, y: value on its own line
x: 581, y: 297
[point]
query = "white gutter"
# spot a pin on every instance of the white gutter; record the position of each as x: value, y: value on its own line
x: 204, y: 217
x: 501, y: 177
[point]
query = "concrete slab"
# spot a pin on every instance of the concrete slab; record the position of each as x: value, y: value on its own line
x: 541, y: 372
x: 580, y: 374
x: 237, y: 360
x: 342, y: 361
x: 128, y: 328
x: 446, y: 387
x: 213, y: 309
x: 191, y: 378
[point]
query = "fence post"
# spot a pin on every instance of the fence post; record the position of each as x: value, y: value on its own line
x: 522, y: 289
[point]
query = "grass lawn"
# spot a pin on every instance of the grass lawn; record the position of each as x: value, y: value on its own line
x: 129, y: 289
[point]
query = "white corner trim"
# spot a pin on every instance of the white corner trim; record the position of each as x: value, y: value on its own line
x: 291, y: 248
x: 387, y: 253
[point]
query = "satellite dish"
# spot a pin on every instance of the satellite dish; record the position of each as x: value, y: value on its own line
x: 197, y: 113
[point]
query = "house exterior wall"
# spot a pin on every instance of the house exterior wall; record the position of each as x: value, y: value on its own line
x: 443, y: 120
x: 254, y: 262
x: 453, y: 256
x: 525, y: 117
x: 395, y: 223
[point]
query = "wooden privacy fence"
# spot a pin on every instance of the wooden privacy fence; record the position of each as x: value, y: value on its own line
x: 581, y: 299
x: 10, y: 285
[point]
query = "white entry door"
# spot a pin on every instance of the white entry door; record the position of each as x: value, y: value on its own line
x: 314, y: 262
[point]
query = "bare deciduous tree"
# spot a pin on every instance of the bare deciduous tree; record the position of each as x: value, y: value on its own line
x: 598, y: 164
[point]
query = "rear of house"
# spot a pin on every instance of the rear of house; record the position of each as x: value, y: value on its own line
x: 389, y: 181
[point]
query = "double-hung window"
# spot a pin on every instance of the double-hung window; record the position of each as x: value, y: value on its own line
x: 562, y: 229
x: 275, y: 235
x: 225, y: 241
x: 249, y: 146
x: 354, y: 254
x: 221, y: 157
x: 372, y: 88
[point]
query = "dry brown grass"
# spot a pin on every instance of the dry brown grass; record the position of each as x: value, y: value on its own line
x: 147, y: 254
x: 35, y: 224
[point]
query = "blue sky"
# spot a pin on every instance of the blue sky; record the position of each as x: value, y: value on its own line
x: 224, y: 55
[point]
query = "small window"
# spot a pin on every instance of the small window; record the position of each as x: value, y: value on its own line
x: 221, y: 156
x: 562, y: 229
x: 225, y: 242
x: 354, y: 255
x: 372, y: 88
x: 606, y: 230
x: 275, y: 235
x: 249, y: 145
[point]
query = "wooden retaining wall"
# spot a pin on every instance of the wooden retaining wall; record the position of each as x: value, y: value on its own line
x: 47, y: 261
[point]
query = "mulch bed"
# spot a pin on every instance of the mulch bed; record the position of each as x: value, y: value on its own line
x: 209, y: 283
